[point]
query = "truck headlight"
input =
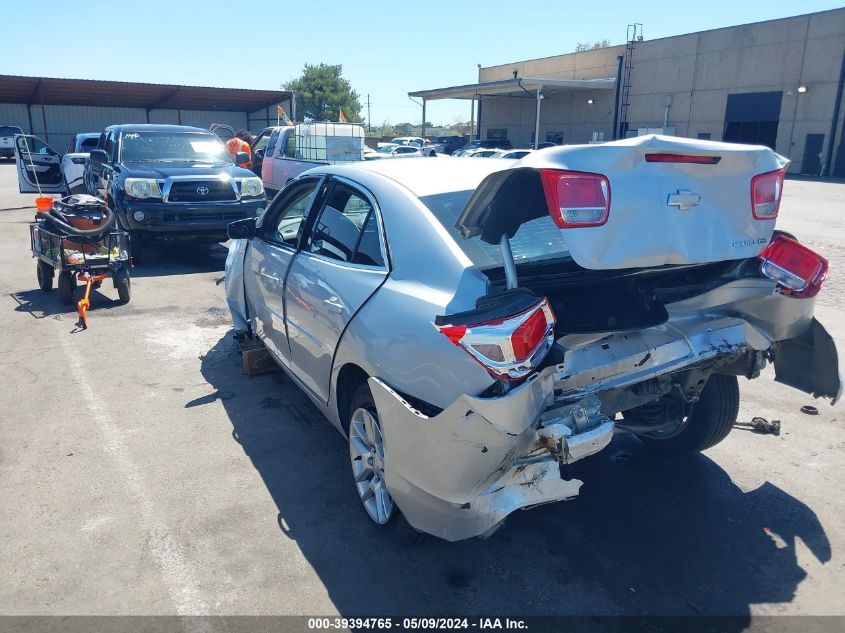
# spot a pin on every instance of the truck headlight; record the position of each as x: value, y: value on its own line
x: 141, y: 188
x: 252, y: 187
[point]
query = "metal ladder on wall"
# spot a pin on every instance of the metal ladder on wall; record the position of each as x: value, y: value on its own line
x: 634, y: 35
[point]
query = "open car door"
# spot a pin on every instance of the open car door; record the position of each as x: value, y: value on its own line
x: 223, y: 132
x: 39, y: 166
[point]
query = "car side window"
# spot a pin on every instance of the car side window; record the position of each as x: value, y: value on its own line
x: 290, y: 146
x: 287, y: 214
x: 347, y: 229
x: 271, y: 143
x: 109, y: 147
x: 261, y: 142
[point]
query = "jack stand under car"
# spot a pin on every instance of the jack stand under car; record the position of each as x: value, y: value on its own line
x: 76, y: 238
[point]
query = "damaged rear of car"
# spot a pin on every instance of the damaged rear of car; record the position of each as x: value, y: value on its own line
x: 591, y: 290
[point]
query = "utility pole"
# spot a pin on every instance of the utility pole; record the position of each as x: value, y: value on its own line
x: 369, y: 120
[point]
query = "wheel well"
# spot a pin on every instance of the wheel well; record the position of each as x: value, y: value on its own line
x: 348, y: 380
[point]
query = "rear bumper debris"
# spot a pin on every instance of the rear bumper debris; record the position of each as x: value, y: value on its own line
x: 460, y: 473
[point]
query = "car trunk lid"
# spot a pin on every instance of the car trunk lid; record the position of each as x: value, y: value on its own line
x: 661, y: 211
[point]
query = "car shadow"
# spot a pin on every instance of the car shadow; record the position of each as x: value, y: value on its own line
x: 647, y: 536
x: 179, y: 258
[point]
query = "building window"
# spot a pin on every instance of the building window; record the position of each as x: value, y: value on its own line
x: 704, y: 136
x: 497, y: 133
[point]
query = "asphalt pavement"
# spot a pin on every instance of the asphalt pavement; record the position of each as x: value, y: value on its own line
x: 142, y: 473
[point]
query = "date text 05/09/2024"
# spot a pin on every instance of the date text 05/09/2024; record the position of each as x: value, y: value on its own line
x: 413, y: 624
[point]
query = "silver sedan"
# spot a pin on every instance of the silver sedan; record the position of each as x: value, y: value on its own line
x: 472, y: 327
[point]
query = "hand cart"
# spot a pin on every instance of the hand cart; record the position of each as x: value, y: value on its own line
x: 86, y: 259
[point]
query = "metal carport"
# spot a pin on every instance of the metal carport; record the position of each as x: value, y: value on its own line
x: 113, y: 102
x: 536, y: 88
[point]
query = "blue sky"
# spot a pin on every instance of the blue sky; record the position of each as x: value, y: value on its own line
x: 387, y: 48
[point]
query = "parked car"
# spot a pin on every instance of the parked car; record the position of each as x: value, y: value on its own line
x: 514, y: 154
x: 449, y: 143
x: 7, y: 140
x: 424, y: 145
x: 73, y: 162
x: 489, y: 143
x: 162, y: 181
x: 470, y: 326
x: 480, y: 153
x: 396, y: 151
x: 292, y: 149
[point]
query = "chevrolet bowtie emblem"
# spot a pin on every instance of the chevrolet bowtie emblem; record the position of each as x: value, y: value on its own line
x: 683, y: 199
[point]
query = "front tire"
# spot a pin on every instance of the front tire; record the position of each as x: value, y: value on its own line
x: 366, y: 454
x: 123, y: 285
x: 707, y: 422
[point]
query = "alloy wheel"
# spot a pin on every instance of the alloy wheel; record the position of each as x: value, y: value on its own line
x: 366, y: 452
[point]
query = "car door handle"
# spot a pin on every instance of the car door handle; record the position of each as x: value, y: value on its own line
x: 333, y: 305
x: 272, y: 278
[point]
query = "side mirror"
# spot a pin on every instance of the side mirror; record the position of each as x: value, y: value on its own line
x: 241, y: 158
x: 98, y: 156
x: 242, y: 229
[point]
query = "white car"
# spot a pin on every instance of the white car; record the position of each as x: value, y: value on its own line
x: 7, y: 140
x: 424, y: 145
x: 514, y: 154
x: 396, y: 151
x: 481, y: 153
x: 73, y: 162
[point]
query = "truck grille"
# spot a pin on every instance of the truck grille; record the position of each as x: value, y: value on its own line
x: 217, y: 191
x: 205, y: 216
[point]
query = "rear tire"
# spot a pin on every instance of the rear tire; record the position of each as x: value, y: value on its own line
x: 45, y: 274
x: 123, y: 285
x: 708, y: 421
x: 366, y: 453
x: 67, y: 287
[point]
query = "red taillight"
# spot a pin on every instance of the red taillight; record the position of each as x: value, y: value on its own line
x: 797, y: 269
x: 529, y: 335
x: 766, y: 192
x: 508, y: 347
x: 576, y: 199
x: 682, y: 158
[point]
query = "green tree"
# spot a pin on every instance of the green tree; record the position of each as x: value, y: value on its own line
x: 321, y: 93
x: 581, y: 47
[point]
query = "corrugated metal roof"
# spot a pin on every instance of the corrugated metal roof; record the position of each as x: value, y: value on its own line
x: 86, y: 92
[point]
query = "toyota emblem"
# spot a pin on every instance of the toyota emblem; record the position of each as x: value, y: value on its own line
x: 202, y: 190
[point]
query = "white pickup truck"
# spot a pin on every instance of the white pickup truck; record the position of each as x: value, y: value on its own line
x: 284, y: 152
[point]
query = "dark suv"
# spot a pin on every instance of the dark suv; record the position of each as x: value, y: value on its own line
x: 171, y: 181
x: 450, y: 143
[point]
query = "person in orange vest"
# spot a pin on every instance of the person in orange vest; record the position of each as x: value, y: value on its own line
x: 240, y: 143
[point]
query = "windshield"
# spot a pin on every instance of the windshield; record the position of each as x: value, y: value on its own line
x: 172, y: 147
x: 8, y: 130
x: 472, y: 145
x: 386, y: 149
x: 536, y: 240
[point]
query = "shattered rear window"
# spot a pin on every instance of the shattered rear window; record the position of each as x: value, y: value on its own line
x: 536, y: 240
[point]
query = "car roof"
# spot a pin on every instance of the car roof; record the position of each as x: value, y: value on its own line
x: 427, y: 176
x: 154, y: 127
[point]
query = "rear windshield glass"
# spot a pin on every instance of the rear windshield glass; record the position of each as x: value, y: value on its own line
x: 8, y: 130
x: 537, y: 240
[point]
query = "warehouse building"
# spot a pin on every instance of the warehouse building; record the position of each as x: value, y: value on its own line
x: 777, y: 83
x: 56, y: 109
